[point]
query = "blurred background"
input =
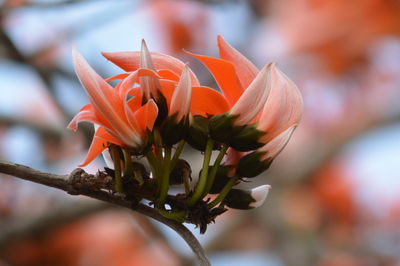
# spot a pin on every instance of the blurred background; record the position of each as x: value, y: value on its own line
x: 335, y: 197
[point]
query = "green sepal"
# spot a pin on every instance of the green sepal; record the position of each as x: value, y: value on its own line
x: 198, y: 132
x: 239, y: 199
x: 181, y: 170
x: 252, y: 165
x: 221, y: 127
x: 241, y: 138
x: 221, y: 178
x: 245, y: 138
x: 173, y: 131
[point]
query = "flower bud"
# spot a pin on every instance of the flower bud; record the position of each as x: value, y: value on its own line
x: 247, y: 199
x: 252, y: 164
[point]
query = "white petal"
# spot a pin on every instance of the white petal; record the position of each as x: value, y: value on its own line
x: 259, y: 194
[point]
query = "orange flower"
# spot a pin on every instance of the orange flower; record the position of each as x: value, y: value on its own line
x: 121, y: 121
x: 174, y: 80
x: 267, y: 97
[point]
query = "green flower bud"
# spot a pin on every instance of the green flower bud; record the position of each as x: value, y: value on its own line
x: 198, y: 132
x: 252, y: 165
x: 247, y: 199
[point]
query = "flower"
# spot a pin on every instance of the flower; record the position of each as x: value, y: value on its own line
x: 121, y: 121
x: 174, y: 80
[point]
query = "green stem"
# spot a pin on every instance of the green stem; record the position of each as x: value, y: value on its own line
x: 228, y: 186
x: 186, y: 183
x: 201, y: 184
x: 153, y: 163
x: 178, y: 216
x: 177, y: 153
x: 128, y: 170
x: 117, y: 168
x: 164, y: 183
x: 214, y: 169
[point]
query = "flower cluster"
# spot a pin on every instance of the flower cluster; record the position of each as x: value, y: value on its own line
x: 159, y: 105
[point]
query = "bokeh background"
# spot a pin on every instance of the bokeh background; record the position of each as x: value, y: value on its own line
x: 335, y: 198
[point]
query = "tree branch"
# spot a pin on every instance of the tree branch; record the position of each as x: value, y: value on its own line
x: 81, y: 183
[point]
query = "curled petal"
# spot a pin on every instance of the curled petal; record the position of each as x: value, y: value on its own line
x: 225, y: 76
x: 128, y: 83
x: 253, y: 99
x: 167, y: 89
x: 146, y: 115
x: 206, y: 101
x: 168, y: 74
x: 99, y: 143
x: 181, y: 98
x: 87, y: 114
x: 117, y: 77
x: 276, y: 145
x: 259, y: 194
x: 130, y: 61
x: 136, y: 101
x: 245, y: 70
x: 283, y: 108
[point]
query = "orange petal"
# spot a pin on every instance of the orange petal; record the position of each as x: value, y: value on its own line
x: 181, y: 98
x: 207, y: 101
x: 245, y: 70
x: 283, y: 108
x: 254, y: 97
x: 225, y: 76
x: 130, y: 61
x: 99, y: 143
x: 87, y: 114
x: 116, y: 77
x: 146, y: 115
x: 136, y: 101
x: 167, y: 89
x: 168, y: 74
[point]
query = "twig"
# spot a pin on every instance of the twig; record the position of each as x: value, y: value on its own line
x: 81, y: 183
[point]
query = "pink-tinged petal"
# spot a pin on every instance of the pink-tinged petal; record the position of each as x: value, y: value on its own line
x: 245, y: 70
x: 117, y: 77
x: 103, y: 98
x: 150, y: 85
x: 181, y: 98
x: 87, y: 114
x: 146, y: 115
x: 232, y: 158
x: 130, y: 61
x: 206, y: 101
x: 225, y: 76
x: 167, y: 74
x: 283, y: 108
x: 254, y: 97
x: 276, y: 145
